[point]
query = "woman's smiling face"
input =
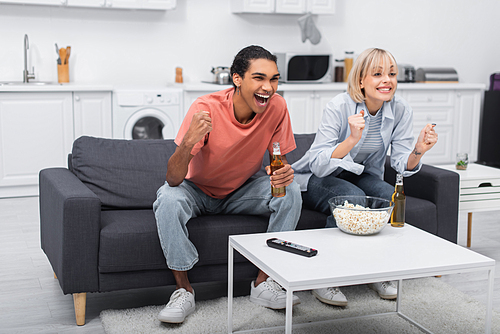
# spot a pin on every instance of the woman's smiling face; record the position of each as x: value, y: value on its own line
x: 379, y: 84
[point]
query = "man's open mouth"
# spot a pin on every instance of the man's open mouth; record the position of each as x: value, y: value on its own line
x: 261, y: 99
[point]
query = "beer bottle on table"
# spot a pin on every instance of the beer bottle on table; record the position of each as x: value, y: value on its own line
x: 399, y: 200
x: 276, y: 164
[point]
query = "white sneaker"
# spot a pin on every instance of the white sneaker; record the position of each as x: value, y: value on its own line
x: 270, y: 294
x: 332, y: 296
x: 181, y: 305
x: 386, y: 290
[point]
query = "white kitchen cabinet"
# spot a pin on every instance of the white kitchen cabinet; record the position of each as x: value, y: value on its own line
x: 321, y: 6
x: 435, y: 106
x: 252, y: 6
x: 468, y: 106
x: 120, y: 4
x: 84, y: 3
x: 92, y: 114
x: 306, y: 108
x: 283, y: 6
x: 456, y: 113
x: 36, y: 131
x: 157, y: 4
x: 33, y: 2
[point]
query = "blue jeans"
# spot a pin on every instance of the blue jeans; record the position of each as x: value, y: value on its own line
x: 321, y: 189
x: 175, y: 206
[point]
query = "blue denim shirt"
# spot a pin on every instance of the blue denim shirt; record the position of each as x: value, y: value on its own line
x: 396, y: 131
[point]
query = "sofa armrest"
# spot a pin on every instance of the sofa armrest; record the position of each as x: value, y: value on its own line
x: 441, y: 187
x: 70, y: 216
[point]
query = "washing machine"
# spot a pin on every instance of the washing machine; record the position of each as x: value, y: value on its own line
x: 147, y: 113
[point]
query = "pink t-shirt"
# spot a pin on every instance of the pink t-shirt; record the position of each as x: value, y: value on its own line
x: 232, y: 152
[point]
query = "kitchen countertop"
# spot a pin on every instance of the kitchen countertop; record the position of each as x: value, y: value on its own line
x: 337, y: 86
x: 200, y: 86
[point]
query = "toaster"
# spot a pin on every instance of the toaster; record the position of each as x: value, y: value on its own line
x: 406, y: 73
x: 436, y: 74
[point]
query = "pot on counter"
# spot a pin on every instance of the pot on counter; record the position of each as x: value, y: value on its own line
x: 222, y: 75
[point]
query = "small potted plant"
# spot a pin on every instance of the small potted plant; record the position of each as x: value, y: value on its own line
x: 462, y: 161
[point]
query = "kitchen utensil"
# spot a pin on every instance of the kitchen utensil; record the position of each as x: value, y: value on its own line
x: 221, y: 75
x: 62, y: 55
x: 59, y: 58
x: 68, y: 53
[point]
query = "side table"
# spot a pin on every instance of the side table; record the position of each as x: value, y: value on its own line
x: 479, y: 190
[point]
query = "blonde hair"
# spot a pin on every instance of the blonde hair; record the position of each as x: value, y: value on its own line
x: 363, y: 66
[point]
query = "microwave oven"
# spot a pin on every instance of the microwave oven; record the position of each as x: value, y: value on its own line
x: 304, y: 68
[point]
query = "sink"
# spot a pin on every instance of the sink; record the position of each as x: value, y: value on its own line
x: 31, y: 83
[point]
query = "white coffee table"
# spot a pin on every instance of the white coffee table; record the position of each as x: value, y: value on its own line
x: 343, y: 259
x: 479, y: 191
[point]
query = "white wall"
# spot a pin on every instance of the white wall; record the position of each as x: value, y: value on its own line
x: 143, y: 47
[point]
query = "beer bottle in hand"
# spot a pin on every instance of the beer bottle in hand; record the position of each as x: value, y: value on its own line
x: 276, y: 164
x: 399, y: 199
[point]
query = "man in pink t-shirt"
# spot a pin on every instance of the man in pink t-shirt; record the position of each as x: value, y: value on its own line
x: 220, y: 146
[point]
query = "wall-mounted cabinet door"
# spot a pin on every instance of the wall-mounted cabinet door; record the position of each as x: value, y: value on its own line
x: 291, y: 6
x: 157, y: 4
x: 130, y: 4
x: 34, y: 2
x: 36, y: 131
x: 252, y: 6
x: 92, y: 114
x: 321, y: 6
x: 84, y: 3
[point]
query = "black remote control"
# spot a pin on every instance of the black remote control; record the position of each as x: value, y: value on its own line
x: 291, y: 247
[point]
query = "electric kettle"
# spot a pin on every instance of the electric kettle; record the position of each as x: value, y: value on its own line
x: 222, y: 75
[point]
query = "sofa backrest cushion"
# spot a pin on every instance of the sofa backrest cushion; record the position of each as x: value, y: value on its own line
x: 122, y: 173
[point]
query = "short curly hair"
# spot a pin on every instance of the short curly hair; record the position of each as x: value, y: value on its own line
x: 363, y: 65
x: 241, y: 61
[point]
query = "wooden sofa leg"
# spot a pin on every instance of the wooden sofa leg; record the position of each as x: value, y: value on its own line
x: 80, y: 301
x: 55, y: 276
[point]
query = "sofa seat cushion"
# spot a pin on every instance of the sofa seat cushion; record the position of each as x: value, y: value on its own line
x: 122, y: 173
x: 129, y: 239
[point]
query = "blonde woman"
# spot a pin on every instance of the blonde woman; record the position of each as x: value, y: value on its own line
x: 348, y: 154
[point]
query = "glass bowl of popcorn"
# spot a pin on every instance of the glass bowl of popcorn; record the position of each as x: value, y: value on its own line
x: 361, y: 215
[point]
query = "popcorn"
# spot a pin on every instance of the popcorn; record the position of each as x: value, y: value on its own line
x: 364, y: 221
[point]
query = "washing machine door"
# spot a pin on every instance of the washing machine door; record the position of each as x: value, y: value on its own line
x: 149, y: 123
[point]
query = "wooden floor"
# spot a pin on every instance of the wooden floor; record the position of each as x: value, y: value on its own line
x: 31, y: 300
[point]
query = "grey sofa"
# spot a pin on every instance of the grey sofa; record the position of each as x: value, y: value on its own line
x: 99, y: 232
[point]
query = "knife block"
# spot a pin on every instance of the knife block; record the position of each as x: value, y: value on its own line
x: 63, y: 73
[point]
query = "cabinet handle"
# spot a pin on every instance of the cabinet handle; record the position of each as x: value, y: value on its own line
x: 77, y: 98
x: 312, y: 96
x: 64, y: 2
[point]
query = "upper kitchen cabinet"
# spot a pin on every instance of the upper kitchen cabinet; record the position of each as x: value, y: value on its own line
x: 283, y: 6
x: 119, y: 4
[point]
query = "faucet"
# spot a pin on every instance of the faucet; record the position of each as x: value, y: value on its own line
x: 26, y: 74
